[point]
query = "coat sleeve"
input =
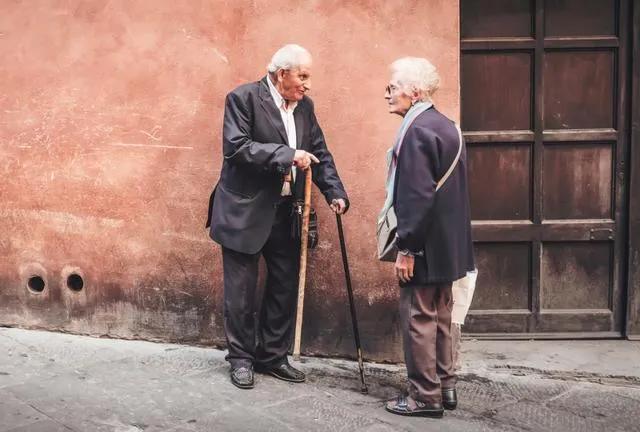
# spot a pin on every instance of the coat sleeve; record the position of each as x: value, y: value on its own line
x: 325, y: 173
x: 415, y: 187
x: 239, y: 147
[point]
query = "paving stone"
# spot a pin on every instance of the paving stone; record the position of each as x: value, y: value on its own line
x: 19, y: 364
x: 479, y: 397
x: 537, y: 417
x: 532, y: 389
x: 15, y: 413
x: 315, y: 414
x: 41, y: 426
x: 617, y: 407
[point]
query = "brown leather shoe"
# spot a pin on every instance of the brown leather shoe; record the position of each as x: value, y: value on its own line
x: 284, y: 371
x: 449, y: 399
x: 242, y: 377
x: 407, y: 406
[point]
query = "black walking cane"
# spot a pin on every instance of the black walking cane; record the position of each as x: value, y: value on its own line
x: 352, y: 305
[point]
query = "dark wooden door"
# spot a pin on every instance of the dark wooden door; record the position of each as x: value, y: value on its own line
x: 544, y: 114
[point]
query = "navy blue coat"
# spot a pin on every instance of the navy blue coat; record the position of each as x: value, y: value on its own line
x: 435, y: 223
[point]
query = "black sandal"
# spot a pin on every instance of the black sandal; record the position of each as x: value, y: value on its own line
x: 407, y: 406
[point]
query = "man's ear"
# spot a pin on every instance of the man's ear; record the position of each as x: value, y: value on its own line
x: 280, y: 75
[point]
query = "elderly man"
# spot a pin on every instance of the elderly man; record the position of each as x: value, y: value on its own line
x: 427, y: 188
x: 270, y: 138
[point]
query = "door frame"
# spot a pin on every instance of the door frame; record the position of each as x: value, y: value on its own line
x: 632, y: 328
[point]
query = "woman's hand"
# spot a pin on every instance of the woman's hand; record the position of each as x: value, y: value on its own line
x: 404, y: 267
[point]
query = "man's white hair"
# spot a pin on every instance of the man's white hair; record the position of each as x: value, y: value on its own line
x: 415, y: 74
x: 288, y: 57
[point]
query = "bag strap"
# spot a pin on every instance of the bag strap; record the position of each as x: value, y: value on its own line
x: 455, y: 161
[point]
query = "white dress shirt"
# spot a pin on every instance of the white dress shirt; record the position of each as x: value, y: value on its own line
x: 286, y: 113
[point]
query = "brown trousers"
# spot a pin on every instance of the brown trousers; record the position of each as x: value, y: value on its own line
x: 425, y: 314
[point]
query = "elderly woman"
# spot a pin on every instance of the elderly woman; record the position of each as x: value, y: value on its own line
x: 427, y: 187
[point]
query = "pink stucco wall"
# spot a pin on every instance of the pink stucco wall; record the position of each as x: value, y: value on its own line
x: 110, y: 125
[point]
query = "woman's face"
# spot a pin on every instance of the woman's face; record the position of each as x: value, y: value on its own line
x: 399, y: 102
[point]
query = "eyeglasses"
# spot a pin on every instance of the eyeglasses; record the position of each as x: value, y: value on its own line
x: 391, y: 89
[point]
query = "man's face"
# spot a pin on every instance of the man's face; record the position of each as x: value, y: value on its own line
x: 294, y: 83
x: 399, y: 102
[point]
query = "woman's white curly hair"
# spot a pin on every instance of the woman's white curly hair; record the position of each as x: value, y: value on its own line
x: 415, y: 74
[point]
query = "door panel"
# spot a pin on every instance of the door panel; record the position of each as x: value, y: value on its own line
x: 505, y: 266
x: 496, y: 18
x: 579, y: 90
x: 580, y: 18
x: 494, y: 198
x: 495, y: 81
x: 577, y: 275
x: 577, y: 181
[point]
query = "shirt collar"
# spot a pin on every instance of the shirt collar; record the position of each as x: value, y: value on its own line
x: 277, y: 97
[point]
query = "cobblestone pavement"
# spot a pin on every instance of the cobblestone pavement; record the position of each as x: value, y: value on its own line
x: 57, y: 382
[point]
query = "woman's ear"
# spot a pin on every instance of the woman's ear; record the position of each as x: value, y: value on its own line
x: 415, y: 97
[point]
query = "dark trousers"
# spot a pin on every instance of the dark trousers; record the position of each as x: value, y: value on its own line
x: 425, y: 314
x: 277, y: 312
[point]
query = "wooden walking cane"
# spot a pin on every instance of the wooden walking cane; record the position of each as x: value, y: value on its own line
x: 303, y: 263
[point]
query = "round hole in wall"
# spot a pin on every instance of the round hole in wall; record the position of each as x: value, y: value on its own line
x: 36, y: 284
x: 75, y: 282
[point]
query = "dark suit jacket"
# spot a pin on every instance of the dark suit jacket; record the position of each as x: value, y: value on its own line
x: 436, y: 223
x: 242, y: 206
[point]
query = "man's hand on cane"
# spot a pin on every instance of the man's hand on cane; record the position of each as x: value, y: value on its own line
x: 303, y: 159
x: 339, y: 206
